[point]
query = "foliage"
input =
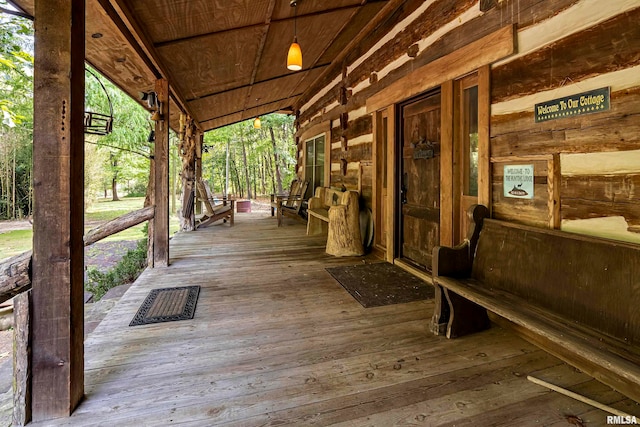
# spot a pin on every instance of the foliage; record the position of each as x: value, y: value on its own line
x: 16, y: 115
x: 260, y: 165
x: 127, y: 146
x: 126, y: 271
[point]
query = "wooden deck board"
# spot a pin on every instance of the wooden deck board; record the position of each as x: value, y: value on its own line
x: 277, y: 341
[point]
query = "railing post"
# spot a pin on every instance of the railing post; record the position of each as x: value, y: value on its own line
x: 58, y: 212
x: 161, y: 181
x: 22, y: 359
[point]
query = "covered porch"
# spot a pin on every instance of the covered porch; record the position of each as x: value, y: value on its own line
x: 277, y: 341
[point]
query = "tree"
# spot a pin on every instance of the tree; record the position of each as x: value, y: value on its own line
x: 128, y: 142
x: 16, y: 115
x: 267, y: 154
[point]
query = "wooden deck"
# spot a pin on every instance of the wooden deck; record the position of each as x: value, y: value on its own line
x: 276, y: 341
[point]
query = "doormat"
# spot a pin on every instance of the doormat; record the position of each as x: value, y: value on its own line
x: 167, y: 305
x: 382, y: 283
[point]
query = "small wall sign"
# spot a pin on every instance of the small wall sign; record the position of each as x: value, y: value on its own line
x: 593, y: 101
x: 423, y: 149
x: 518, y: 181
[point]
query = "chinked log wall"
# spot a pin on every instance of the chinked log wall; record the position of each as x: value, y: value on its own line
x: 565, y: 47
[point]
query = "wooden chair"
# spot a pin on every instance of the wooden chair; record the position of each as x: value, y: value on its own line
x: 214, y: 212
x: 277, y: 199
x: 294, y: 203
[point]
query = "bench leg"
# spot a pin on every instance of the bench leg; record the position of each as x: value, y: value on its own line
x: 466, y: 317
x: 441, y: 312
x: 316, y: 226
x: 279, y: 213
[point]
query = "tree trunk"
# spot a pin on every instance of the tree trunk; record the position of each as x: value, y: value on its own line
x: 276, y: 161
x: 114, y: 190
x: 271, y: 175
x: 239, y: 189
x: 246, y: 169
x: 263, y: 175
x: 114, y: 179
x: 13, y: 193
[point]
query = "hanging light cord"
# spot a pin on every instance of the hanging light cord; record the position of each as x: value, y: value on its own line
x: 295, y: 21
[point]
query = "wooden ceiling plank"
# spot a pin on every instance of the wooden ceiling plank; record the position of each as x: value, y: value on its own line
x: 335, y: 37
x: 271, y: 21
x: 122, y: 10
x: 128, y: 35
x: 255, y: 83
x: 277, y: 101
x: 263, y: 41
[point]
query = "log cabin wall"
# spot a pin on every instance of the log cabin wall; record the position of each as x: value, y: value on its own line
x: 586, y: 167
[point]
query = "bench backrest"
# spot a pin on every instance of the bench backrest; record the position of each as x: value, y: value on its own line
x: 332, y: 197
x: 591, y: 281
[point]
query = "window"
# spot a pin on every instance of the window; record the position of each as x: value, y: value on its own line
x: 314, y: 163
x: 469, y: 135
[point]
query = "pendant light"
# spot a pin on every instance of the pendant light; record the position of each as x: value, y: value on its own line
x: 294, y: 57
x: 257, y: 124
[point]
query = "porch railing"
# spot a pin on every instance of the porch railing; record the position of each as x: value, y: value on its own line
x: 15, y: 281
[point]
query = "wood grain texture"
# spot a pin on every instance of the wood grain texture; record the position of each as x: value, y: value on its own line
x: 610, y: 46
x: 524, y: 211
x: 22, y: 367
x: 58, y: 251
x: 474, y: 55
x: 613, y: 130
x: 271, y: 346
x: 161, y: 179
x: 557, y: 301
x: 484, y: 135
x: 597, y: 196
x: 15, y: 275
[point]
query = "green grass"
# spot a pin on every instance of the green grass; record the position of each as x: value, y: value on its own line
x: 15, y: 242
x: 106, y: 210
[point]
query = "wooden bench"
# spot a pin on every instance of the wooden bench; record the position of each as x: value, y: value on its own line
x: 337, y: 214
x: 578, y: 297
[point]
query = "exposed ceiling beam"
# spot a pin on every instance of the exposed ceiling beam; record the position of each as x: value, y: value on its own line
x: 19, y: 12
x: 228, y: 30
x: 121, y: 8
x: 24, y: 12
x: 254, y: 83
x: 263, y: 42
x: 276, y: 101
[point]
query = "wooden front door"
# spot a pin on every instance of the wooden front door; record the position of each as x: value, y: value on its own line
x: 419, y: 179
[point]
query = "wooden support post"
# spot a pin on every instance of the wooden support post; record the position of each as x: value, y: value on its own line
x: 484, y: 136
x: 22, y: 359
x: 58, y: 218
x: 448, y: 205
x: 161, y: 157
x: 199, y: 137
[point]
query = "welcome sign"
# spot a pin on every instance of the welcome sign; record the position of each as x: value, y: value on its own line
x: 518, y: 181
x: 593, y: 101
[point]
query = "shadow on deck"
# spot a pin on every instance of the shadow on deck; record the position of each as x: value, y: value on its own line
x: 276, y: 341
